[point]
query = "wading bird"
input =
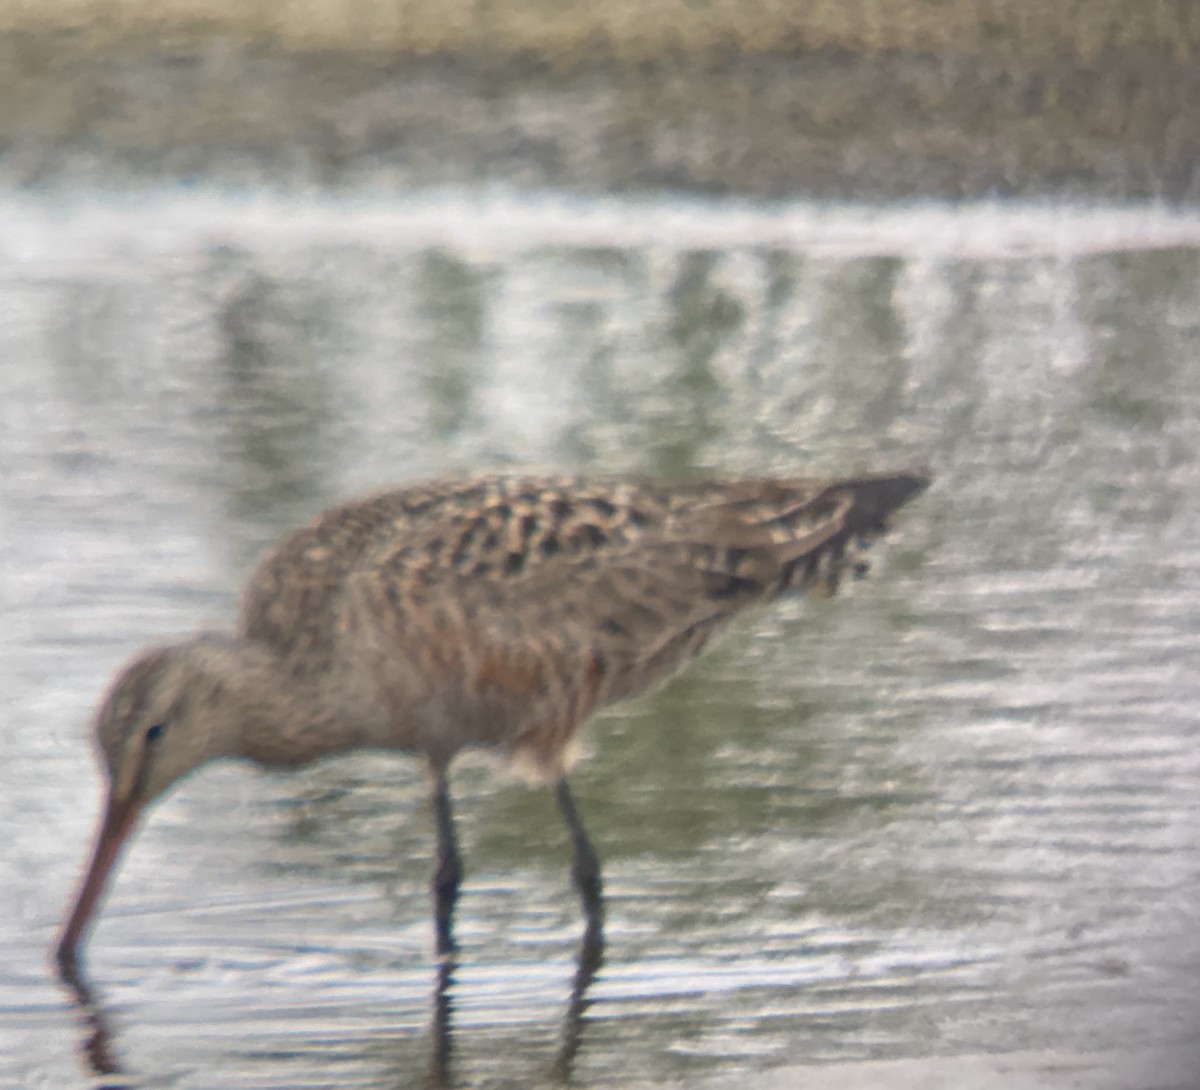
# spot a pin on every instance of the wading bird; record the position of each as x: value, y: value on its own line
x: 496, y: 613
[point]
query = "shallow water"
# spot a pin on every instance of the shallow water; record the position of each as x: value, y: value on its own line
x: 953, y: 811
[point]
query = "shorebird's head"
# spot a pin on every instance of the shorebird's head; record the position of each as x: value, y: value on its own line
x: 154, y: 726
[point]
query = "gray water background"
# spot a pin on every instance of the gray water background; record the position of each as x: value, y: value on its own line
x: 951, y: 812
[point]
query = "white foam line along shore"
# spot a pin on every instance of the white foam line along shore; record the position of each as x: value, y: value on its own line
x: 69, y: 226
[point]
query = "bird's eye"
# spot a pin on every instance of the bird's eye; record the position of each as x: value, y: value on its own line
x: 155, y: 732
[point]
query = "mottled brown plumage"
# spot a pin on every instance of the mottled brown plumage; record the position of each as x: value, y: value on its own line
x: 494, y: 613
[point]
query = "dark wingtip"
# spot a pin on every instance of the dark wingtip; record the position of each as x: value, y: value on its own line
x: 922, y: 477
x: 911, y: 484
x: 877, y: 496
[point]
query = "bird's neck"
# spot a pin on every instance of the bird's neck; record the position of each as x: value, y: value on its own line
x: 274, y: 716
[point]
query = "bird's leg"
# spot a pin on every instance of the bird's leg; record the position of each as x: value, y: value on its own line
x: 448, y: 874
x: 586, y: 868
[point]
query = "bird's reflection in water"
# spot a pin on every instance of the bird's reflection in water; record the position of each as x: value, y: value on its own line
x: 96, y: 1042
x: 587, y: 964
x: 591, y: 954
x: 440, y: 1027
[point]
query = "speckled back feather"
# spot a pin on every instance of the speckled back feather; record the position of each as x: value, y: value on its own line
x: 513, y: 606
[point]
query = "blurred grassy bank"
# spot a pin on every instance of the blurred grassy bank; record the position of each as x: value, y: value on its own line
x: 871, y: 98
x: 563, y: 31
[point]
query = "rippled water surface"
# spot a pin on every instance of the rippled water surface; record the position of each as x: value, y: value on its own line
x: 953, y: 811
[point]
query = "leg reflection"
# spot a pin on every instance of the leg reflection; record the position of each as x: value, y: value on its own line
x: 441, y: 1045
x: 96, y: 1045
x: 591, y: 955
x: 441, y: 1030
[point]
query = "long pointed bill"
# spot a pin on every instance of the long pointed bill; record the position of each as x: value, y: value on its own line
x: 119, y: 819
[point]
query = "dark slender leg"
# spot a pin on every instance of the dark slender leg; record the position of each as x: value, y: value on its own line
x: 447, y: 876
x: 586, y: 868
